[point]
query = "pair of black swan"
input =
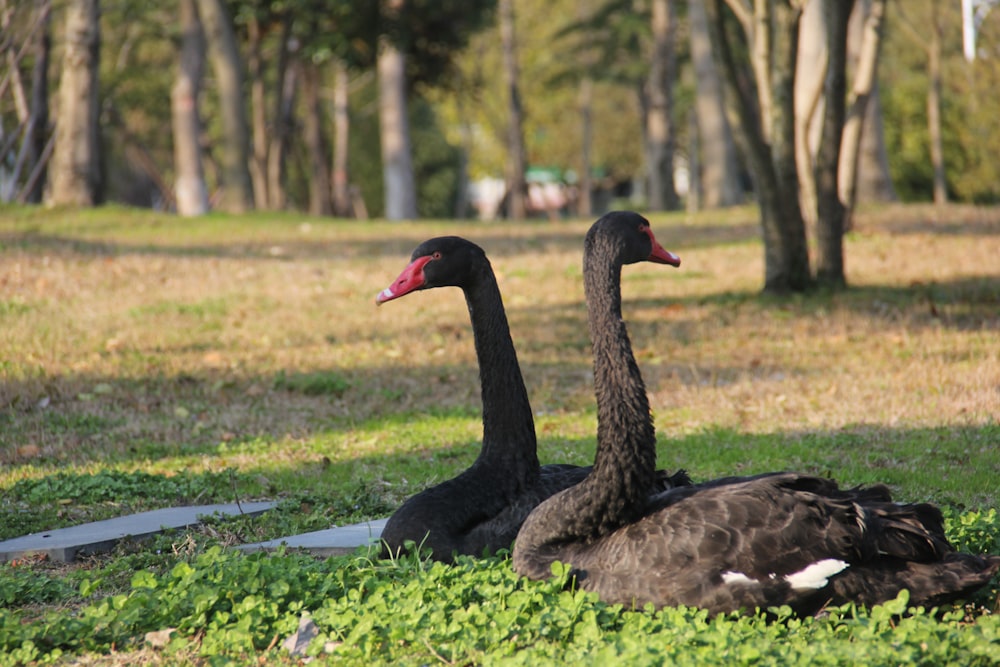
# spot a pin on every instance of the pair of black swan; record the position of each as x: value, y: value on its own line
x: 729, y: 544
x: 482, y: 509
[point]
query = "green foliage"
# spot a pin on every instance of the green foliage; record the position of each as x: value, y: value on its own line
x: 118, y: 486
x: 318, y: 383
x: 22, y: 586
x: 974, y: 532
x: 410, y: 612
x: 435, y: 163
x: 13, y: 307
x: 969, y: 137
x: 32, y: 504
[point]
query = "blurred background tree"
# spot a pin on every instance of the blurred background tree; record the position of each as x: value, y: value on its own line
x: 311, y: 101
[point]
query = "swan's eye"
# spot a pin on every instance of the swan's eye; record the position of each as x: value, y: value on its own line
x: 436, y: 255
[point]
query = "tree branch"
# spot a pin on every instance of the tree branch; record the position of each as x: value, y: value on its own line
x: 744, y: 14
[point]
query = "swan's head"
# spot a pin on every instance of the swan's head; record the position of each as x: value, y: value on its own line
x: 439, y: 262
x: 630, y: 238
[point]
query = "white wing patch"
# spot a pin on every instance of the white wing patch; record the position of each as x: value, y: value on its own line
x: 737, y: 578
x: 817, y: 575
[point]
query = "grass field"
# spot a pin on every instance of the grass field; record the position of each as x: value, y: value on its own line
x: 148, y: 361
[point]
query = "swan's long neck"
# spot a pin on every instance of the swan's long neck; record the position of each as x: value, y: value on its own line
x: 615, y: 492
x: 625, y: 463
x: 508, y: 427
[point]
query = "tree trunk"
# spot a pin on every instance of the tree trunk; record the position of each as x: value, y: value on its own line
x: 517, y: 188
x: 463, y: 203
x: 258, y: 114
x: 191, y: 193
x: 585, y: 203
x: 39, y: 134
x: 284, y: 103
x: 320, y: 202
x: 237, y: 192
x: 865, y: 36
x: 934, y: 107
x: 769, y: 143
x: 761, y: 54
x: 76, y: 172
x: 793, y: 272
x: 660, y: 131
x: 810, y: 77
x: 830, y: 220
x: 718, y: 178
x: 397, y: 164
x: 694, y: 193
x: 12, y: 76
x: 341, y: 134
x: 874, y: 184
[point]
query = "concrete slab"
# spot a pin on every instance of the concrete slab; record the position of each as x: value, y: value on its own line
x: 329, y: 542
x: 66, y: 544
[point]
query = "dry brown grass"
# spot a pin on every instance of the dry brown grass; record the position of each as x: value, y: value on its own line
x: 131, y: 336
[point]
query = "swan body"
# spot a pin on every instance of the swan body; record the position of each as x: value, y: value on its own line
x: 736, y: 543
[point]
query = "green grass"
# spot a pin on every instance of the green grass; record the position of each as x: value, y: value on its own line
x: 150, y: 361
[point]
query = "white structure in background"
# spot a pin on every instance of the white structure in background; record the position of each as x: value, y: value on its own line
x: 486, y: 195
x: 547, y: 194
x: 973, y: 14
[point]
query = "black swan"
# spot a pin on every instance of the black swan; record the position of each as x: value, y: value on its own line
x: 730, y: 544
x: 482, y: 508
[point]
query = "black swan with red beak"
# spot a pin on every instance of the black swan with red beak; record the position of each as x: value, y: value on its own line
x: 730, y: 544
x: 482, y: 508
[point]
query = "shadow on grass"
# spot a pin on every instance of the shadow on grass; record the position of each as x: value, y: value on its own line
x: 287, y: 237
x: 959, y: 220
x: 81, y: 418
x: 954, y: 466
x: 970, y: 303
x: 285, y: 245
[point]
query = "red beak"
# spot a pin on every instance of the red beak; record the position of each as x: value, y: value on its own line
x: 410, y: 280
x: 659, y: 255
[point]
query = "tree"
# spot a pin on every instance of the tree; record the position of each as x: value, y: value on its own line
x: 191, y: 191
x: 931, y: 45
x: 237, y: 191
x: 934, y: 106
x: 38, y: 138
x: 341, y: 133
x: 810, y: 80
x: 718, y: 182
x: 515, y: 164
x: 830, y: 209
x: 320, y: 201
x: 397, y: 163
x: 863, y: 123
x: 284, y: 122
x: 659, y: 122
x: 763, y: 116
x: 76, y: 173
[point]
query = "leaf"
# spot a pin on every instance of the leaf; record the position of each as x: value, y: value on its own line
x: 87, y: 586
x: 144, y: 579
x: 898, y: 606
